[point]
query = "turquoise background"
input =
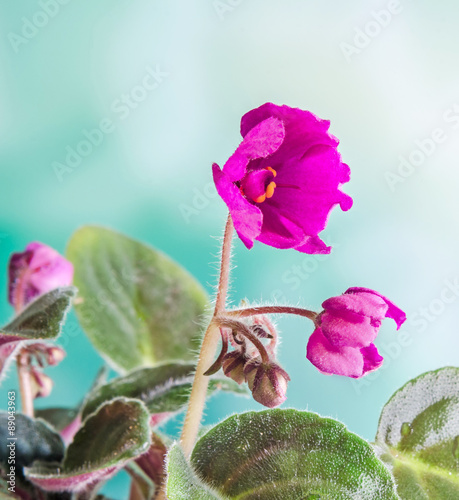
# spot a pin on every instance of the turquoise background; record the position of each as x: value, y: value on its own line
x: 150, y: 177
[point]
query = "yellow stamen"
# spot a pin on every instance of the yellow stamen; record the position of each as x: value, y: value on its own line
x: 260, y: 199
x: 270, y: 189
x: 273, y: 172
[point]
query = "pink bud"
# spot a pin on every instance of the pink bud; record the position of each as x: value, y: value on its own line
x: 42, y: 385
x: 55, y: 355
x: 37, y: 270
x: 268, y: 382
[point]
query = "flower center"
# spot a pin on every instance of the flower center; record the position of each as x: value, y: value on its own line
x: 258, y: 185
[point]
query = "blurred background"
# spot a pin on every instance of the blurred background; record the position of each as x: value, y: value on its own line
x: 166, y: 83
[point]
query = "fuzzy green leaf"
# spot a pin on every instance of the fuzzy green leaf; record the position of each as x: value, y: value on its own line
x: 137, y: 306
x: 163, y: 388
x: 418, y: 435
x: 59, y: 418
x: 182, y: 482
x: 42, y: 319
x: 118, y: 432
x: 290, y: 454
x: 30, y: 440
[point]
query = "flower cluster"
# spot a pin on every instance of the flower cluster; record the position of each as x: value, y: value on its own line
x: 32, y: 273
x: 280, y: 186
x: 43, y: 355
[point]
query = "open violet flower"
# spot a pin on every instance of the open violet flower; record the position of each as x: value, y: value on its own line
x: 283, y: 179
x: 37, y: 270
x: 342, y: 343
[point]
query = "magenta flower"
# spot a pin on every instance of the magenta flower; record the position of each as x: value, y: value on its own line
x: 342, y: 342
x: 283, y: 179
x: 37, y: 270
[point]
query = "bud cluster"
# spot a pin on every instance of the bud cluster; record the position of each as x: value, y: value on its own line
x: 36, y: 357
x: 251, y: 360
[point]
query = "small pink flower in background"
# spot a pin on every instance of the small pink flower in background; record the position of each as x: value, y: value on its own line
x: 282, y: 181
x: 42, y: 385
x: 45, y: 354
x: 342, y: 343
x: 37, y: 270
x: 55, y: 355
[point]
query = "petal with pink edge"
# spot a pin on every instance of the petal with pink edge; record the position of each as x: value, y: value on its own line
x: 247, y: 218
x: 346, y: 328
x: 393, y: 311
x: 37, y: 270
x: 334, y: 360
x: 263, y: 140
x: 364, y: 304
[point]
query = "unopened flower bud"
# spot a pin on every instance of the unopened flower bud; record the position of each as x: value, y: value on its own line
x: 42, y: 385
x: 37, y: 270
x: 233, y: 366
x: 55, y: 355
x: 268, y: 382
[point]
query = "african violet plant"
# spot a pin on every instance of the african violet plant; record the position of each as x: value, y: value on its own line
x: 142, y: 312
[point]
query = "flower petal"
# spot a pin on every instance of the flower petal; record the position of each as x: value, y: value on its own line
x: 279, y: 231
x: 393, y: 311
x: 313, y: 245
x: 247, y: 218
x: 303, y: 129
x: 330, y: 359
x: 372, y: 360
x: 307, y: 188
x: 261, y: 141
x: 346, y: 328
x: 37, y: 270
x: 364, y: 304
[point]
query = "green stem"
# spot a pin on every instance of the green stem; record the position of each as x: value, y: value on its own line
x: 241, y: 328
x: 25, y: 388
x: 208, y: 349
x: 22, y: 359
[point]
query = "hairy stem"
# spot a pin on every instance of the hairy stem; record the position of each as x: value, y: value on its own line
x: 22, y: 359
x: 253, y: 311
x: 244, y: 330
x: 25, y: 388
x: 208, y: 349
